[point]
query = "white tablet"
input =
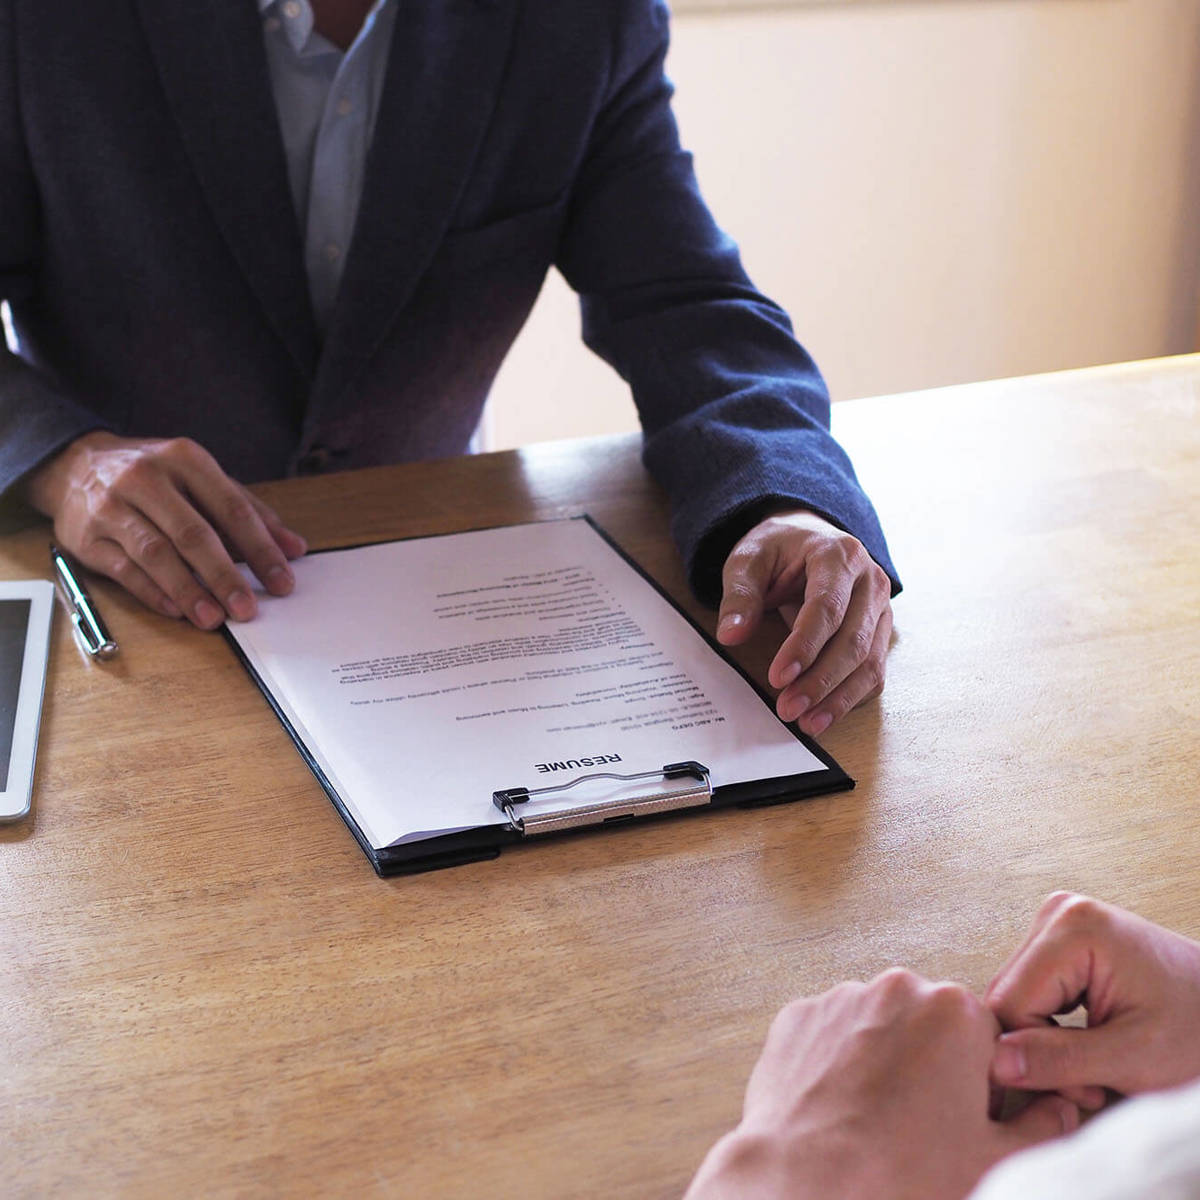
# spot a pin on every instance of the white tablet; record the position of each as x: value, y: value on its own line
x: 25, y: 611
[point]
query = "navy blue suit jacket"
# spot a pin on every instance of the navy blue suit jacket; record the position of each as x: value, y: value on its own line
x: 153, y: 265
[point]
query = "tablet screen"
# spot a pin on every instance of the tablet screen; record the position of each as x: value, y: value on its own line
x: 25, y: 611
x: 14, y: 624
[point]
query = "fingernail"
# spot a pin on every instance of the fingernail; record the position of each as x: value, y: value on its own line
x: 731, y: 622
x: 207, y: 613
x: 820, y: 723
x: 241, y: 606
x: 789, y: 673
x: 280, y: 581
x: 1068, y: 1114
x: 799, y: 706
x: 1009, y: 1064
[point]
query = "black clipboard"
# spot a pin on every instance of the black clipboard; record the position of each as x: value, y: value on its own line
x: 691, y: 791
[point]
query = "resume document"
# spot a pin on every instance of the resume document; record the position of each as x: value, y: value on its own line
x: 424, y: 675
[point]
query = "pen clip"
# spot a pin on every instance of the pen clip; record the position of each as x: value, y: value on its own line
x: 89, y: 639
x: 84, y: 634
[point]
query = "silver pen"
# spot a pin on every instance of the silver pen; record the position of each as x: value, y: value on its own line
x: 89, y: 628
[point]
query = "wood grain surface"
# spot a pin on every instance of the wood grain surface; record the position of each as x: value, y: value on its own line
x: 204, y: 989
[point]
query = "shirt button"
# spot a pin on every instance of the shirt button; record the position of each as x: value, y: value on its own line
x: 333, y: 252
x: 317, y: 459
x: 291, y: 9
x: 345, y: 106
x: 271, y: 24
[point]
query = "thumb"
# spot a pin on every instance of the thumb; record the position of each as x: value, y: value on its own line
x: 1054, y: 1057
x: 744, y: 582
x: 1047, y: 1117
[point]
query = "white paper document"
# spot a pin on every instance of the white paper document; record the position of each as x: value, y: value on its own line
x: 424, y: 675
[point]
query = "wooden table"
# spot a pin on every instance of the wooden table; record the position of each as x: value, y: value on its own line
x: 205, y: 989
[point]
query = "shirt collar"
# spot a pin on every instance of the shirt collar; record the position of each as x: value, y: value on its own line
x: 299, y: 29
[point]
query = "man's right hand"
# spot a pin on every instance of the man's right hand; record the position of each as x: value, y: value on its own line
x: 1140, y: 984
x: 162, y: 519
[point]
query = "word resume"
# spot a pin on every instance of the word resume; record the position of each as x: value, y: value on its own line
x: 422, y: 676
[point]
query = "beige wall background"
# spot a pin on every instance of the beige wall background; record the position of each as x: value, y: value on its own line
x: 937, y: 191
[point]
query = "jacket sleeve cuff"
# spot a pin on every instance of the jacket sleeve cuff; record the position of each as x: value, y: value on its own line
x: 36, y: 420
x: 749, y: 473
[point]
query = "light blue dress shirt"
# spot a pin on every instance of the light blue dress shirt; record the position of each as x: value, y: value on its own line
x: 327, y: 100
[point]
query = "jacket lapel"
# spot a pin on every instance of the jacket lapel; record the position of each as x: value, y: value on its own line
x: 445, y: 66
x: 213, y: 68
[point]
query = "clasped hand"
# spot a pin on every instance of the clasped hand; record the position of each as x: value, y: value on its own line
x: 887, y: 1089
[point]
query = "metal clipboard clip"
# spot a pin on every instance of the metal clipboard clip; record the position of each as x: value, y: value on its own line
x: 693, y: 796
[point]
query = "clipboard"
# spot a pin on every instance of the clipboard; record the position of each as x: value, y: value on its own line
x: 581, y: 794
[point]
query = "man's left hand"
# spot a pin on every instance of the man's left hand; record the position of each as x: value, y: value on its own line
x: 835, y: 598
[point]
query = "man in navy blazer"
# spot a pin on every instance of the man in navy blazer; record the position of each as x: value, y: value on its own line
x: 168, y: 349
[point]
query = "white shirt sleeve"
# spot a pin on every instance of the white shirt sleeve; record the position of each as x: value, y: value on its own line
x: 1148, y: 1147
